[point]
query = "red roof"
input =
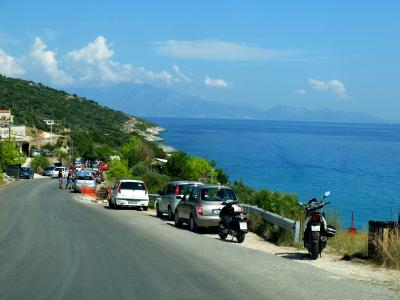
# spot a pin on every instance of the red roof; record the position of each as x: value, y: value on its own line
x: 5, y: 110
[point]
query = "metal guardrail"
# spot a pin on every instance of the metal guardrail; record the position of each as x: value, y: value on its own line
x: 154, y: 196
x: 282, y: 222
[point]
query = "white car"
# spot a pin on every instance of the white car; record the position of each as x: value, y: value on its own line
x: 129, y: 193
x: 54, y: 173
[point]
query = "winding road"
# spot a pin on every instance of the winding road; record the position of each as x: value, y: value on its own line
x: 55, y: 246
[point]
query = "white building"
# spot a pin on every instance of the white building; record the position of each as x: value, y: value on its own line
x: 6, y: 117
x: 17, y: 131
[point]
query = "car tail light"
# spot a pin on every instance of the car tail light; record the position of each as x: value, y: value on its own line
x: 240, y: 209
x: 119, y: 189
x: 177, y: 190
x: 315, y: 218
x: 145, y: 189
x: 199, y: 209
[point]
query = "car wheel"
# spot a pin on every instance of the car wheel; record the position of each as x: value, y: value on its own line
x: 158, y: 212
x: 178, y: 222
x: 145, y: 208
x: 192, y: 224
x: 170, y: 214
x: 110, y: 204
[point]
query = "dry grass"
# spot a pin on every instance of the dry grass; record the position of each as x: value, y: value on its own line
x: 350, y: 244
x: 388, y: 253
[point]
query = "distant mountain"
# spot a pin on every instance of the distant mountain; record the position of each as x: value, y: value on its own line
x: 150, y: 101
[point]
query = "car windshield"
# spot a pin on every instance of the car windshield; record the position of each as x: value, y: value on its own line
x: 85, y: 177
x: 132, y: 186
x: 217, y: 194
x: 25, y: 169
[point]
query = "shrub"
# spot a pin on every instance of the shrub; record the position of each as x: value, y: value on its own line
x: 39, y: 163
x: 154, y: 181
x: 139, y: 169
x: 118, y: 170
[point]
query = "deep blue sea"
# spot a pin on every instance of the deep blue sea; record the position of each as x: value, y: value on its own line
x: 358, y: 163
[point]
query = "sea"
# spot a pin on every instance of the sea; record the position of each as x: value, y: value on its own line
x: 358, y: 163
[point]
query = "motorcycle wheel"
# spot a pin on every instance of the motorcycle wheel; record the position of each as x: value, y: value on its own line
x: 221, y: 234
x: 314, y: 250
x: 240, y: 237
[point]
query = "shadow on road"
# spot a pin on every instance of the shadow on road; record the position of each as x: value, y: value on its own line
x: 295, y: 256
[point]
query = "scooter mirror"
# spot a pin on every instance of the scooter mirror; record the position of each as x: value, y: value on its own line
x: 327, y: 194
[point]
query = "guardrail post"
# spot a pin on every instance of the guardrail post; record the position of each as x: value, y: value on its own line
x: 297, y: 234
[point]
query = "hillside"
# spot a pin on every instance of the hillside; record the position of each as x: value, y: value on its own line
x: 85, y: 120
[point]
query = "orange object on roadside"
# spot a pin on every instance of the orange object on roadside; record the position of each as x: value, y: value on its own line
x: 87, y: 191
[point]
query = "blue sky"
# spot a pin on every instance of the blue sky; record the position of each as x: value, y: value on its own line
x: 315, y: 54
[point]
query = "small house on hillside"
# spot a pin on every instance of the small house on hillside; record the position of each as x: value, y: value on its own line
x: 6, y: 118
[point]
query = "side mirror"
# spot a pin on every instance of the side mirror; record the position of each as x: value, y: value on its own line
x: 326, y: 194
x: 159, y: 192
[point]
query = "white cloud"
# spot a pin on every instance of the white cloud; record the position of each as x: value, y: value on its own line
x: 163, y: 75
x: 10, y: 66
x: 216, y: 82
x: 94, y: 63
x: 219, y: 50
x: 334, y: 86
x: 47, y: 60
x: 301, y: 92
x: 180, y: 74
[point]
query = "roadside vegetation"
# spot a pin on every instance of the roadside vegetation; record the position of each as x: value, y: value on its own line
x: 10, y: 154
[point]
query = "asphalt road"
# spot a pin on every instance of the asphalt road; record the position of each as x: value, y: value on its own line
x: 53, y: 246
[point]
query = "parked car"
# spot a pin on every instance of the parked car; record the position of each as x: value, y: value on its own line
x: 48, y: 171
x: 103, y: 166
x: 171, y: 195
x: 129, y: 193
x: 202, y: 204
x: 83, y: 178
x: 26, y: 173
x: 54, y: 173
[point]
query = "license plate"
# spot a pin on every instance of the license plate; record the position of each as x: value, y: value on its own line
x: 132, y: 202
x: 243, y: 226
x: 316, y: 228
x: 216, y: 211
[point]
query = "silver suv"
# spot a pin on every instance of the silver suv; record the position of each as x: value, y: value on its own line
x: 202, y: 204
x: 171, y: 195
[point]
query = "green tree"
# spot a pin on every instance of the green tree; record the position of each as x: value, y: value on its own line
x: 104, y: 152
x: 10, y: 154
x: 61, y: 154
x: 118, y: 170
x: 197, y: 169
x: 135, y: 151
x: 39, y: 163
x: 176, y: 164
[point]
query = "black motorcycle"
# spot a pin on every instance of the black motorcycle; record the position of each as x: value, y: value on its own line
x: 233, y: 221
x: 317, y: 231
